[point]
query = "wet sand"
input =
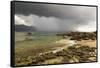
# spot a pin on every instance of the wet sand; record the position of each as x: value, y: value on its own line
x: 90, y: 43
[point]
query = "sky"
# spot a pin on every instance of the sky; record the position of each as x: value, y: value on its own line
x: 56, y: 18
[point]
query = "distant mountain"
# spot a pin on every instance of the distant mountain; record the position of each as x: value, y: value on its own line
x: 24, y: 28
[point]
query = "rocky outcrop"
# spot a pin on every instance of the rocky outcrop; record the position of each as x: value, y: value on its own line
x: 72, y: 54
x: 80, y: 35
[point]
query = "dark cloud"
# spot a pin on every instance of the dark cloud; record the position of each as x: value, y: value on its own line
x: 35, y: 8
x: 50, y: 17
x: 62, y: 11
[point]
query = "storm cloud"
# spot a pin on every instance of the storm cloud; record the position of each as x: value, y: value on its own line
x: 50, y: 17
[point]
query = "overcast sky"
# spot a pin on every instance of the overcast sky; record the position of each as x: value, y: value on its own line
x: 56, y: 18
